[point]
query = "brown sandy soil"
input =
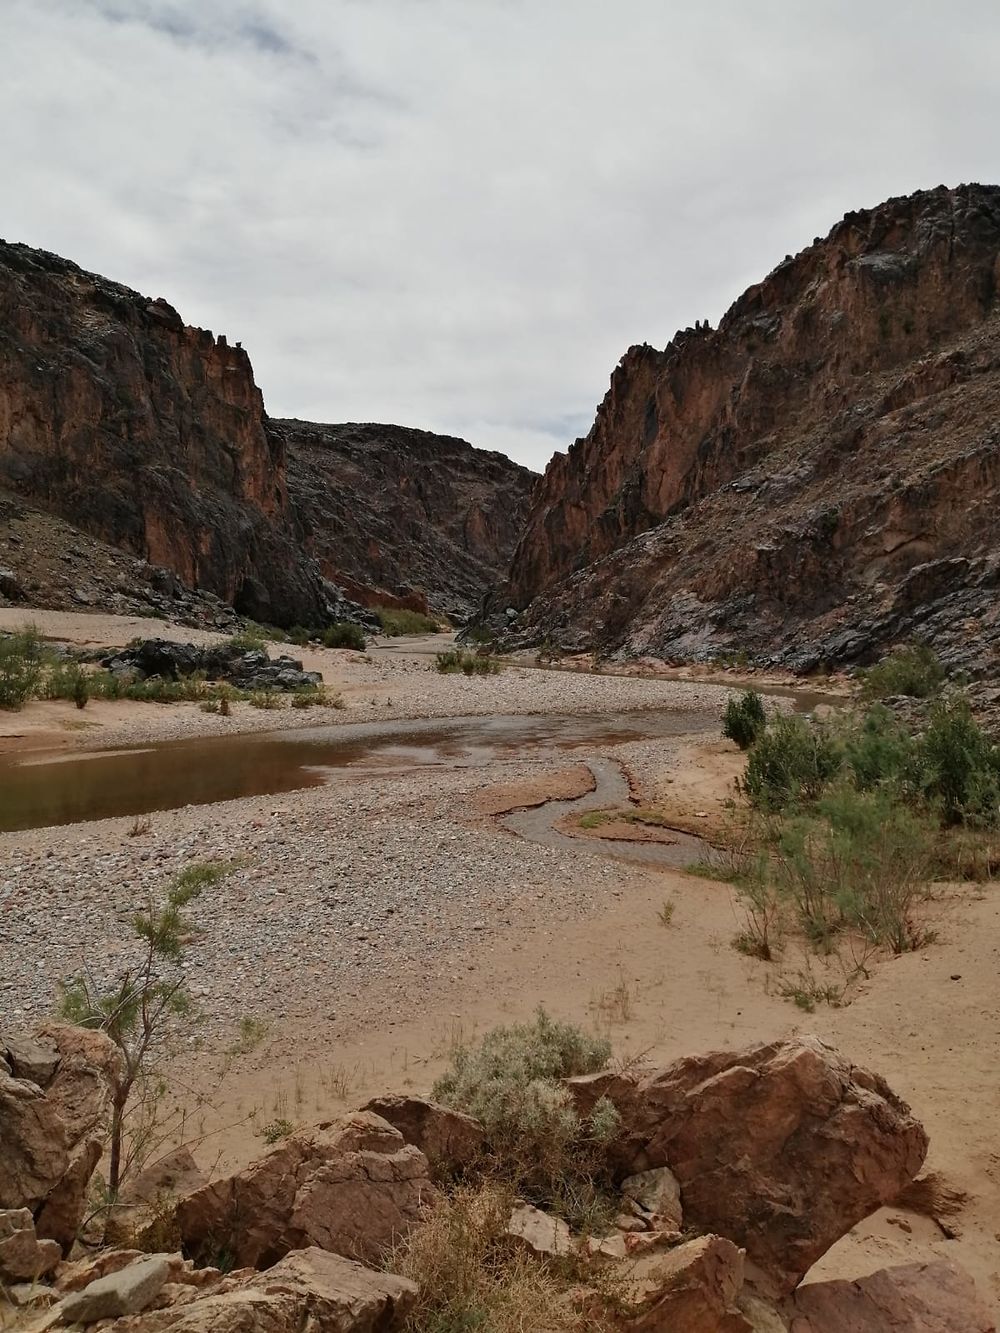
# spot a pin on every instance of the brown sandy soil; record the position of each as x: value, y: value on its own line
x: 566, y: 784
x: 615, y: 830
x: 602, y: 956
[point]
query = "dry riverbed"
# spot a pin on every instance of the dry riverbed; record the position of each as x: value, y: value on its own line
x: 371, y: 922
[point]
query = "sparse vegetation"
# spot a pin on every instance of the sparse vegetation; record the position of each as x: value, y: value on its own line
x: 744, y: 719
x: 536, y: 1140
x: 398, y: 621
x: 468, y: 663
x: 135, y: 1009
x: 345, y: 634
x: 276, y: 1130
x: 913, y: 670
x: 790, y: 763
x: 21, y: 662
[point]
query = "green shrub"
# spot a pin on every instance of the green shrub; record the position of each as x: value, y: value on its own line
x: 957, y: 766
x: 252, y: 637
x: 744, y: 719
x: 536, y: 1139
x: 879, y: 750
x: 300, y: 636
x: 469, y: 664
x: 914, y: 671
x: 395, y: 621
x: 862, y: 862
x: 345, y: 634
x: 21, y: 661
x: 66, y: 680
x: 790, y: 763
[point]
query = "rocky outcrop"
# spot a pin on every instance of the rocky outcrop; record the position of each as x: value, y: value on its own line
x: 148, y: 435
x: 450, y: 1140
x: 811, y: 481
x: 403, y: 517
x: 55, y: 1092
x: 912, y: 1298
x: 246, y: 669
x: 351, y: 1186
x: 780, y: 1148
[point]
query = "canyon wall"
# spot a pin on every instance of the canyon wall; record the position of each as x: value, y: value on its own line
x: 814, y: 479
x: 404, y: 517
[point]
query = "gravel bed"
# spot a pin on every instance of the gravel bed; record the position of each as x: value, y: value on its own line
x: 356, y: 897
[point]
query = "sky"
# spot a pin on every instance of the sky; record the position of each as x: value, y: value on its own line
x: 459, y: 214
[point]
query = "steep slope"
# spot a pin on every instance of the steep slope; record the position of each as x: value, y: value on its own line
x: 400, y: 516
x: 814, y: 479
x: 147, y: 435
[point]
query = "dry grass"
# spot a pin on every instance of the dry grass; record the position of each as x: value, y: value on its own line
x: 473, y: 1276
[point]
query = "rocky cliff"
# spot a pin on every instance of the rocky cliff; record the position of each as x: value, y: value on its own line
x: 404, y: 517
x: 814, y: 479
x: 147, y: 435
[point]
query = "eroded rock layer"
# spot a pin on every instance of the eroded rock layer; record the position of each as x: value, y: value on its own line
x: 404, y: 517
x: 816, y: 478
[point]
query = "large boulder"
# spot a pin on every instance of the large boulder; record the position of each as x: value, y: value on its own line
x: 34, y: 1144
x: 934, y: 1297
x: 351, y: 1186
x: 23, y: 1257
x: 450, y: 1140
x: 309, y: 1289
x: 782, y: 1148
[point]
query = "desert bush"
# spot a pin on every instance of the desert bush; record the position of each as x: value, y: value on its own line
x: 957, y: 766
x: 790, y: 763
x: 879, y: 750
x: 468, y: 663
x: 300, y: 636
x: 399, y: 621
x: 473, y: 1276
x: 744, y: 719
x: 21, y: 662
x: 862, y: 862
x: 266, y: 699
x: 914, y: 670
x: 66, y: 680
x: 536, y: 1140
x: 345, y: 634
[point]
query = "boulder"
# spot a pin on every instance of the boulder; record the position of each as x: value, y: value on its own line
x: 782, y: 1148
x: 62, y: 1213
x: 450, y: 1140
x: 149, y: 1195
x: 124, y: 1292
x: 309, y: 1289
x: 936, y: 1297
x: 34, y: 1144
x: 351, y: 1186
x: 694, y: 1289
x: 90, y: 1065
x: 23, y: 1257
x: 544, y: 1235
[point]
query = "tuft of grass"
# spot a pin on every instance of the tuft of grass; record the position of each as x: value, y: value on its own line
x: 473, y: 1277
x: 275, y: 1130
x: 665, y: 914
x: 266, y: 699
x: 397, y: 621
x: 251, y: 1033
x: 468, y: 663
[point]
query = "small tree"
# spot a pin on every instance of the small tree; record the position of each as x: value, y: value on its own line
x: 744, y: 719
x: 134, y: 1009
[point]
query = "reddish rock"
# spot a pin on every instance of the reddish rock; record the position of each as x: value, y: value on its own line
x: 781, y: 1148
x: 934, y: 1297
x: 402, y: 517
x: 450, y: 1140
x: 694, y: 1289
x: 832, y: 439
x: 351, y: 1186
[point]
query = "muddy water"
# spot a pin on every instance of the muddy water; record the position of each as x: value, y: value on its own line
x: 105, y: 783
x: 611, y: 790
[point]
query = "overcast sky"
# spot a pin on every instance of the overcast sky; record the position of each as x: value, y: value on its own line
x: 458, y: 214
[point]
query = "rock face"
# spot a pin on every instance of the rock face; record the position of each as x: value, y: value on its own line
x: 403, y: 517
x: 148, y: 435
x: 350, y: 1186
x: 247, y: 669
x: 695, y: 1291
x: 814, y: 479
x: 53, y: 1110
x: 780, y: 1148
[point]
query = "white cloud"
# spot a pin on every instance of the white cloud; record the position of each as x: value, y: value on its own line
x: 457, y: 214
